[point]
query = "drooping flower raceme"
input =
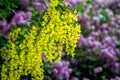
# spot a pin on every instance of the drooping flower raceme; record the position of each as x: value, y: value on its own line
x: 21, y: 57
x: 23, y: 54
x: 60, y: 28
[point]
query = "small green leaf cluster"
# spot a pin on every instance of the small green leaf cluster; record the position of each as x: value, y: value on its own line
x: 7, y: 8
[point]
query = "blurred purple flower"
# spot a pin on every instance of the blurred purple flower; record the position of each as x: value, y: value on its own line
x: 39, y: 6
x: 89, y: 51
x: 96, y: 44
x: 95, y: 34
x: 103, y: 27
x: 110, y: 41
x: 24, y: 3
x: 96, y: 20
x: 72, y: 3
x: 115, y: 68
x: 6, y: 31
x: 74, y: 78
x: 86, y: 25
x: 116, y: 78
x: 63, y: 53
x: 81, y: 41
x: 108, y: 56
x: 27, y: 16
x: 85, y: 78
x: 97, y: 70
x: 85, y: 17
x: 46, y: 1
x: 43, y: 57
x: 3, y: 24
x: 61, y: 70
x: 55, y: 71
x: 21, y: 18
x: 108, y: 2
x: 5, y: 28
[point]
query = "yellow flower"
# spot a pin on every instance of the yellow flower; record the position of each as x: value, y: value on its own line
x: 23, y: 56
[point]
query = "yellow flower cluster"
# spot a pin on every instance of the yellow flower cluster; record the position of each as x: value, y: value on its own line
x: 23, y: 54
x: 22, y: 58
x: 59, y: 27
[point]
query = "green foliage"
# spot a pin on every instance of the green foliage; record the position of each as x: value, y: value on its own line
x: 47, y: 68
x: 104, y: 16
x: 7, y: 8
x: 80, y: 8
x: 36, y: 20
x: 3, y: 41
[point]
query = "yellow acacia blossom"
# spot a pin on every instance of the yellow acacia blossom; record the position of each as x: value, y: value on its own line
x: 23, y: 54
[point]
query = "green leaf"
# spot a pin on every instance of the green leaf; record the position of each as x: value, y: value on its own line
x: 103, y: 77
x: 77, y: 73
x: 92, y: 57
x: 49, y: 71
x: 89, y: 2
x: 79, y: 52
x: 104, y: 16
x: 80, y: 8
x: 61, y: 0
